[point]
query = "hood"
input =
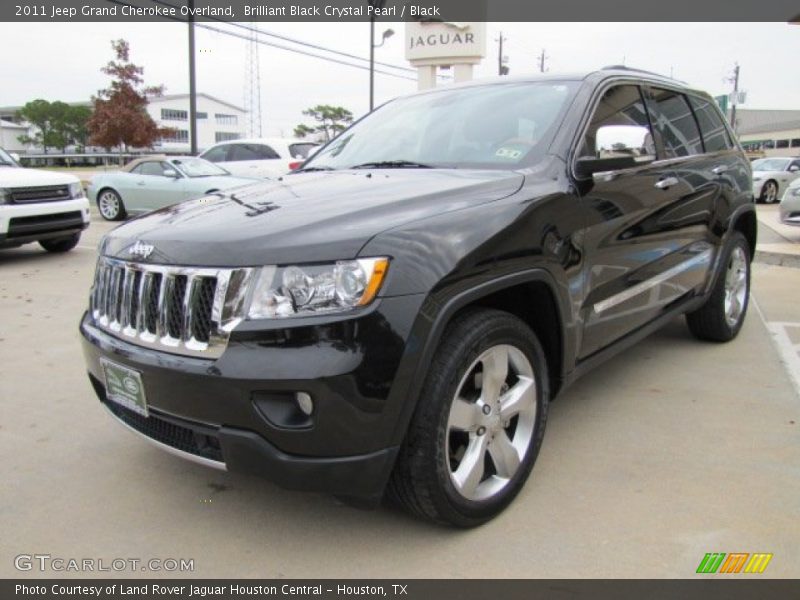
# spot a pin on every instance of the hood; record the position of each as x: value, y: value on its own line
x: 21, y: 177
x: 305, y: 217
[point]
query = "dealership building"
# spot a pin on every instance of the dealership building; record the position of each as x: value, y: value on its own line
x: 769, y: 132
x: 217, y: 121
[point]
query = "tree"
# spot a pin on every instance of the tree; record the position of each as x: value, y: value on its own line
x: 331, y: 120
x: 76, y: 125
x: 39, y: 113
x: 120, y: 116
x: 54, y: 124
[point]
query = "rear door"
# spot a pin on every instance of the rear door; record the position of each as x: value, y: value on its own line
x: 644, y: 242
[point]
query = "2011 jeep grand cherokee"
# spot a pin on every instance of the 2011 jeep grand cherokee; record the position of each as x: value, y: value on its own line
x: 397, y: 315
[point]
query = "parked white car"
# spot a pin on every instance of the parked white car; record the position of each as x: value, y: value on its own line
x: 40, y: 206
x: 260, y: 157
x: 771, y: 176
x: 789, y: 210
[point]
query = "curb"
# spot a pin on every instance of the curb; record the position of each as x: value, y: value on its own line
x: 777, y: 258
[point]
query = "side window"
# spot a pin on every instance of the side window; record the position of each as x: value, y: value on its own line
x: 246, y: 152
x: 218, y: 154
x: 674, y: 120
x: 137, y: 170
x: 265, y: 152
x: 619, y: 127
x: 715, y: 135
x: 151, y: 168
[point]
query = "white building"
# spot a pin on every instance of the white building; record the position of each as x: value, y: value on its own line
x: 217, y: 121
x: 9, y: 134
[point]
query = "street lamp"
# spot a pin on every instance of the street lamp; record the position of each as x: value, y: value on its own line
x: 372, y: 45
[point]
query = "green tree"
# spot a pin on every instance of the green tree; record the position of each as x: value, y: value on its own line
x: 77, y: 128
x: 120, y: 117
x: 40, y: 114
x: 331, y: 120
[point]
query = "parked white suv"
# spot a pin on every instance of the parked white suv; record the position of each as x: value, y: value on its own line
x: 40, y: 206
x: 260, y: 157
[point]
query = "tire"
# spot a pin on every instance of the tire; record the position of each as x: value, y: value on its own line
x: 110, y: 205
x: 769, y: 192
x: 450, y: 431
x: 722, y: 316
x: 64, y: 244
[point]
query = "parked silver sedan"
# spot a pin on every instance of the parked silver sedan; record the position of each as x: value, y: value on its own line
x: 153, y: 182
x: 790, y: 205
x: 772, y: 175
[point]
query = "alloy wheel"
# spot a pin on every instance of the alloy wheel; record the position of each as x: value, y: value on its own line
x: 109, y: 205
x: 735, y: 286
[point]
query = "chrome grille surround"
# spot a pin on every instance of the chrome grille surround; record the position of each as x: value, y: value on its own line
x: 167, y: 308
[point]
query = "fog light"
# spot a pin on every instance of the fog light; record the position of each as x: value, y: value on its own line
x: 304, y: 403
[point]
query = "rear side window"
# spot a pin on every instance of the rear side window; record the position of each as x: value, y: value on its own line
x: 218, y: 154
x: 674, y: 120
x: 619, y: 126
x: 301, y: 150
x: 715, y: 135
x: 251, y: 152
x: 150, y: 168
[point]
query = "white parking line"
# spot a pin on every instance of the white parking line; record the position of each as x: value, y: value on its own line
x: 788, y: 350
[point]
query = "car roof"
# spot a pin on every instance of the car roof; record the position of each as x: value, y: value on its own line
x: 265, y: 140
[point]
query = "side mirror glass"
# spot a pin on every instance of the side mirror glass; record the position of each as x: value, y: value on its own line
x: 615, y: 147
x: 792, y: 169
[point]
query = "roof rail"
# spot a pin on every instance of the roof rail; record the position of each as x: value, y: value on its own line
x: 624, y: 68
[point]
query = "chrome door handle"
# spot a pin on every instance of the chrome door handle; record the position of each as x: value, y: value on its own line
x: 719, y: 170
x: 667, y: 182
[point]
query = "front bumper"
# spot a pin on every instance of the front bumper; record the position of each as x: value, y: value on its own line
x: 23, y: 223
x: 235, y: 412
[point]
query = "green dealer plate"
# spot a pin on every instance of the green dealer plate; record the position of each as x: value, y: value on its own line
x: 124, y: 386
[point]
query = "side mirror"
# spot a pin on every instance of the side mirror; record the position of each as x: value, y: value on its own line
x: 792, y: 169
x: 170, y: 173
x: 585, y: 167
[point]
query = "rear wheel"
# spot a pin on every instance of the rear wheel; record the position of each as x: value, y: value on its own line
x: 64, y: 244
x: 479, y: 424
x: 769, y: 193
x: 110, y: 205
x: 722, y: 316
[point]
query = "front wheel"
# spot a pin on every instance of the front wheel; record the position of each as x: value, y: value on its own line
x: 722, y: 316
x: 769, y: 193
x: 110, y: 205
x: 479, y: 422
x: 58, y: 245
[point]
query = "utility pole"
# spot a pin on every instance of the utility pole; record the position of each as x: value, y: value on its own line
x: 542, y: 58
x: 501, y: 68
x: 371, y: 63
x: 192, y: 85
x: 735, y: 100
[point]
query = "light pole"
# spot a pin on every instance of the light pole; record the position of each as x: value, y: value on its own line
x: 372, y: 45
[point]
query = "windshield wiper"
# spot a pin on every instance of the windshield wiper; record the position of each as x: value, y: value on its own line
x: 310, y: 169
x: 392, y: 164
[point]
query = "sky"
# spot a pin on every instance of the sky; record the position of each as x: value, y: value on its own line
x: 58, y: 61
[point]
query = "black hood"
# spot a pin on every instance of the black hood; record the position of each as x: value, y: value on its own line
x: 306, y: 217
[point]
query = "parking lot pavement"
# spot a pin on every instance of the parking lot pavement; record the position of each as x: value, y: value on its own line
x: 673, y: 449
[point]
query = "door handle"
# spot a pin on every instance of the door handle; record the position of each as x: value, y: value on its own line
x: 666, y: 182
x: 719, y: 169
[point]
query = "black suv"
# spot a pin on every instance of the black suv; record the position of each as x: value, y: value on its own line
x: 395, y: 317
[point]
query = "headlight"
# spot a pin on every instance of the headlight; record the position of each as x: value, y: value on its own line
x: 76, y: 190
x: 3, y: 195
x: 293, y: 291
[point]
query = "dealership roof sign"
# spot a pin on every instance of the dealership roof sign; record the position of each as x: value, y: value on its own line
x: 445, y: 43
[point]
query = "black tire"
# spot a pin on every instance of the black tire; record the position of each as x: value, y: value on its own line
x: 712, y: 322
x: 770, y: 198
x: 110, y: 205
x: 64, y: 244
x: 422, y: 480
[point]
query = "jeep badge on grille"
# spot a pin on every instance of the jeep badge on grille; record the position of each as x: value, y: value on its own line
x: 141, y: 250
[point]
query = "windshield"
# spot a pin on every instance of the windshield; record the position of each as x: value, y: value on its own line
x: 6, y: 160
x: 198, y: 167
x: 770, y: 164
x: 503, y: 126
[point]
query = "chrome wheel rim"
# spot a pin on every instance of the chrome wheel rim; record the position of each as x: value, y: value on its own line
x: 109, y: 205
x: 491, y: 422
x: 735, y: 286
x: 771, y: 193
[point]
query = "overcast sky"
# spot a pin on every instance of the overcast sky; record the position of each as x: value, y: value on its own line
x: 58, y: 61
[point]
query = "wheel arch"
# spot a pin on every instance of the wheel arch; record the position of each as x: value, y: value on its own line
x: 746, y: 223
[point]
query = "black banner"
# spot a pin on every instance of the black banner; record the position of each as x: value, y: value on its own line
x: 397, y: 10
x: 416, y: 589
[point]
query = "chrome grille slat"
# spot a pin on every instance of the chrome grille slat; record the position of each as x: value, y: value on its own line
x: 183, y: 310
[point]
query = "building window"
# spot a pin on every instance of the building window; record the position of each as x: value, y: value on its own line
x: 796, y: 143
x: 782, y: 144
x: 179, y: 135
x: 171, y: 114
x: 225, y: 136
x: 223, y: 119
x: 202, y: 115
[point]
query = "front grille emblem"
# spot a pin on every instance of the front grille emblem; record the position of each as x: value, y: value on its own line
x: 141, y: 250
